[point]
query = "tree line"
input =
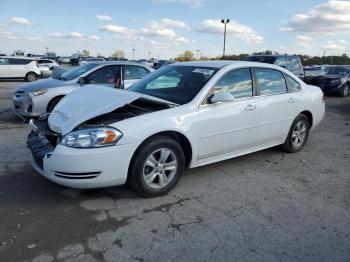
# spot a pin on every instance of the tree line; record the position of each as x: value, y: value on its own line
x: 343, y: 59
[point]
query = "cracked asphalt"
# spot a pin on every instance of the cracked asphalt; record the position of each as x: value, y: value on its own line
x: 266, y: 206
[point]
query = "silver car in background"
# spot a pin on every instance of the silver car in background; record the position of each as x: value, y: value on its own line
x: 34, y: 99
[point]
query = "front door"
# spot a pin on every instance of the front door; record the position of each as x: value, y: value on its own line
x: 228, y: 127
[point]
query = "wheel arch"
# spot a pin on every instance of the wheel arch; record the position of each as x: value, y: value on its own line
x: 309, y: 116
x: 52, y: 100
x: 180, y: 138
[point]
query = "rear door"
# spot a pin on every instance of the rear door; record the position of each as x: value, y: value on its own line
x: 277, y: 106
x: 132, y: 73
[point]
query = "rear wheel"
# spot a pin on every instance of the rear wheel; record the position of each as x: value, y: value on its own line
x: 298, y: 134
x: 31, y: 77
x: 344, y: 91
x: 53, y: 103
x: 156, y: 167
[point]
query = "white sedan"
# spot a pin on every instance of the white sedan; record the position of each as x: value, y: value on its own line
x: 182, y: 115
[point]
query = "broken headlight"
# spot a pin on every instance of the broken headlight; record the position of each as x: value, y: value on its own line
x: 92, y: 137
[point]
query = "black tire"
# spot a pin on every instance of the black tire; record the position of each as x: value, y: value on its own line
x: 344, y: 91
x: 31, y: 77
x: 53, y: 103
x: 138, y: 164
x: 290, y: 145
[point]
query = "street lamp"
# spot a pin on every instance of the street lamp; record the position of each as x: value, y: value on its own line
x: 225, y: 22
x: 198, y: 53
x: 133, y: 54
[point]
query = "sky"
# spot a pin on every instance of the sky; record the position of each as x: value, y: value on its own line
x: 165, y: 28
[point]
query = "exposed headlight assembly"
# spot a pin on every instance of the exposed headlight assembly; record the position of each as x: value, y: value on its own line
x: 92, y: 137
x: 36, y: 92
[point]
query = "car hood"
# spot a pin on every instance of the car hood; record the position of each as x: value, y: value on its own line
x: 87, y: 103
x: 40, y: 84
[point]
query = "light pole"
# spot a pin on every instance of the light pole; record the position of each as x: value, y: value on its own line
x: 225, y: 22
x: 149, y: 55
x: 47, y: 49
x: 198, y: 53
x: 133, y: 54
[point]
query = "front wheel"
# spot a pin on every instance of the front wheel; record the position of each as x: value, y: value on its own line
x: 156, y: 167
x: 344, y: 91
x: 298, y: 134
x: 31, y: 77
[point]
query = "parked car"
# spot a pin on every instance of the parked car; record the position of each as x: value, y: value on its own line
x: 89, y: 60
x: 32, y: 100
x: 19, y: 67
x: 63, y: 59
x: 337, y: 80
x: 74, y: 59
x: 314, y: 75
x: 47, y: 62
x: 45, y: 71
x: 182, y: 115
x: 290, y: 62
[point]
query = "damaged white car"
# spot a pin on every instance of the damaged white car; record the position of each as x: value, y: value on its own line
x: 183, y: 115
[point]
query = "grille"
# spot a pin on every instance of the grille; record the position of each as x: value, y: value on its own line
x: 81, y: 175
x: 19, y: 93
x: 39, y: 146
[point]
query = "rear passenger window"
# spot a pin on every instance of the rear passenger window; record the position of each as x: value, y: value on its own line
x: 293, y: 85
x: 237, y: 82
x: 293, y: 63
x: 18, y: 61
x: 270, y: 81
x: 134, y: 72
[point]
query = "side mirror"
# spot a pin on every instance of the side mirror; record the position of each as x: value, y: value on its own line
x: 221, y: 97
x: 82, y: 80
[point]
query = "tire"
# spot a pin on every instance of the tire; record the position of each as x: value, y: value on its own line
x: 298, y: 134
x: 53, y: 103
x: 156, y: 167
x: 344, y: 91
x: 31, y: 77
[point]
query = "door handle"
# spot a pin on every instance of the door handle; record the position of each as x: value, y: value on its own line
x: 292, y: 100
x: 250, y: 107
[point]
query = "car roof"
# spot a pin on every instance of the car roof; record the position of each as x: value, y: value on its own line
x: 18, y: 57
x: 223, y: 63
x: 208, y: 63
x: 119, y: 63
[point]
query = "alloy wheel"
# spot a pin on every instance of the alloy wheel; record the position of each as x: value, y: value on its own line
x: 160, y: 168
x: 299, y: 133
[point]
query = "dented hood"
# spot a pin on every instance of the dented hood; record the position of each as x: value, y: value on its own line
x: 87, y: 103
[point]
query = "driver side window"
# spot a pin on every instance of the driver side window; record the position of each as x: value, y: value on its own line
x: 237, y: 82
x: 104, y: 75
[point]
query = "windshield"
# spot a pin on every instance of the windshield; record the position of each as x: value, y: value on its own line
x: 337, y: 70
x: 261, y: 59
x: 178, y: 84
x: 76, y: 72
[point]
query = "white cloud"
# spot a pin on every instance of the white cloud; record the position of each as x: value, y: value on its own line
x: 234, y: 28
x: 154, y: 30
x: 73, y: 35
x: 330, y: 17
x: 21, y: 21
x: 339, y: 44
x: 174, y: 23
x: 104, y: 17
x: 303, y: 41
x: 191, y: 3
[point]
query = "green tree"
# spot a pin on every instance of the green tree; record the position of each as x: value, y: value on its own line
x: 186, y: 56
x: 119, y: 54
x: 85, y: 52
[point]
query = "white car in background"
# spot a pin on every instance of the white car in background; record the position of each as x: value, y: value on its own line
x: 12, y: 67
x: 90, y: 60
x: 47, y: 62
x: 182, y: 115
